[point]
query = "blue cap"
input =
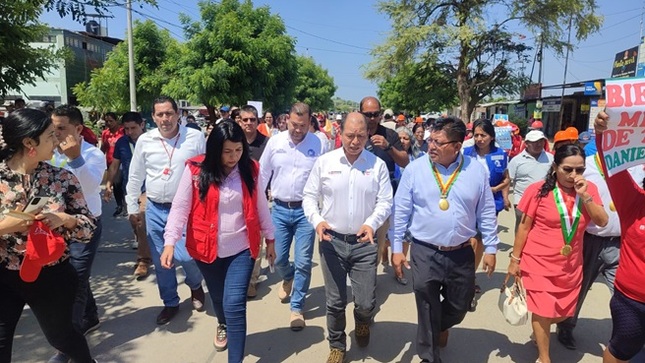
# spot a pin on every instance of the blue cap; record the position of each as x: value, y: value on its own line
x: 585, y: 137
x: 225, y: 108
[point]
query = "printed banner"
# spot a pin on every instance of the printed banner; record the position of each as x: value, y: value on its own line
x: 624, y: 141
x: 503, y: 137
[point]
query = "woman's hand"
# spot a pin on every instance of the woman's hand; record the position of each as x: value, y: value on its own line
x: 600, y: 123
x: 270, y: 253
x: 167, y: 256
x: 10, y: 224
x: 514, y: 268
x: 507, y: 203
x: 55, y: 220
x: 580, y: 185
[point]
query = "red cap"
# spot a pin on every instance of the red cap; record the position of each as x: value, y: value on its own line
x: 44, y: 246
x: 469, y: 126
x: 537, y: 125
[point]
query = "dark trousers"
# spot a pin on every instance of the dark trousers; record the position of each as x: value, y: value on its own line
x: 600, y: 256
x: 119, y: 192
x: 51, y: 299
x: 227, y: 279
x: 436, y: 275
x: 82, y: 257
x: 338, y: 259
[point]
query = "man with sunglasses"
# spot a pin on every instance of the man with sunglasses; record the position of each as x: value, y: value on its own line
x: 442, y: 202
x: 386, y: 144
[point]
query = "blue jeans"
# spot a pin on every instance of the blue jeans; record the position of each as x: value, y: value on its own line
x: 338, y: 259
x: 156, y: 218
x: 82, y: 257
x: 227, y: 280
x: 290, y: 223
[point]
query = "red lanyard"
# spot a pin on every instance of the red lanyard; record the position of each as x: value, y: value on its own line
x: 170, y: 154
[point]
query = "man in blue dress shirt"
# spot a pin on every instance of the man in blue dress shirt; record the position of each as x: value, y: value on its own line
x: 442, y: 200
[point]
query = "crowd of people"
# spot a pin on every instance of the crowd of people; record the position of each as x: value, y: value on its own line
x: 250, y: 186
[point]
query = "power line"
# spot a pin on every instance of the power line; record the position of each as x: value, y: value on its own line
x: 326, y: 39
x: 329, y: 50
x: 609, y: 41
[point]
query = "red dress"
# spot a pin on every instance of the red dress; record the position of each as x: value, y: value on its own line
x: 552, y: 281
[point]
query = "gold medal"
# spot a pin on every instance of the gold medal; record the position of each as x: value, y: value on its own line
x: 612, y: 207
x: 445, y: 188
x: 443, y: 204
x: 566, y: 250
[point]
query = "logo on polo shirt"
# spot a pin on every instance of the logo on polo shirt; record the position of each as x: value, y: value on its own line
x: 311, y: 152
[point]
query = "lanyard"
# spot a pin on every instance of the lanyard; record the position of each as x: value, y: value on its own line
x: 170, y: 154
x: 445, y: 188
x: 61, y: 165
x: 596, y: 159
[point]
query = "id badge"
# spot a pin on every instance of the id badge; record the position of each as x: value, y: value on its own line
x: 166, y: 174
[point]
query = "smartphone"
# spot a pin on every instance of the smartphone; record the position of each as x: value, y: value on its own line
x: 35, y: 204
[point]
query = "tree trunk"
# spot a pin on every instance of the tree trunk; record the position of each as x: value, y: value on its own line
x: 211, y: 113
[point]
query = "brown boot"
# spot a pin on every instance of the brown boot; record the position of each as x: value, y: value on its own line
x: 141, y: 271
x: 336, y: 356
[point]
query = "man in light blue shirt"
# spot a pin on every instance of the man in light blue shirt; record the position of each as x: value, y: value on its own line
x: 442, y: 200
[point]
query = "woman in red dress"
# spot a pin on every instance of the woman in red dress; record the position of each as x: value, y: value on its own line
x: 547, y: 253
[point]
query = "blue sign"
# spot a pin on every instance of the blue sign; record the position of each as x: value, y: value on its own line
x: 593, y: 89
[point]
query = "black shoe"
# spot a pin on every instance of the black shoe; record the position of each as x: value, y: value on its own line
x: 118, y: 211
x: 473, y: 304
x: 565, y: 337
x: 90, y: 325
x: 166, y: 315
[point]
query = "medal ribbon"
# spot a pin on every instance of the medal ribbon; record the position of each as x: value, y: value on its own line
x: 596, y: 159
x: 568, y: 228
x: 61, y: 165
x: 445, y: 188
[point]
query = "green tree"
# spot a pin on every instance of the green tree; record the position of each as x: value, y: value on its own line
x: 342, y: 105
x: 469, y: 40
x: 234, y: 54
x: 418, y: 87
x: 108, y: 88
x: 314, y: 86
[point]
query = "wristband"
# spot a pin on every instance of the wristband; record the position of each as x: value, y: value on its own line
x: 510, y: 254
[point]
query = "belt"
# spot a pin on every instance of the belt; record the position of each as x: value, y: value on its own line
x: 164, y: 205
x: 290, y: 205
x: 442, y: 248
x: 347, y: 238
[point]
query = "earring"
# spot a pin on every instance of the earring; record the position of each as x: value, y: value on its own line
x: 31, y: 152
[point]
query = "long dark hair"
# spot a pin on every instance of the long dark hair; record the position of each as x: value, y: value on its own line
x: 561, y: 153
x: 21, y: 124
x: 488, y: 128
x: 212, y: 171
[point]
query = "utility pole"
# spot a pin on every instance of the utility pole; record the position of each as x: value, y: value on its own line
x: 564, y: 77
x: 537, y: 114
x: 133, y: 87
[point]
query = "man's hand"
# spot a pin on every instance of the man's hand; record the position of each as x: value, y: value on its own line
x: 600, y: 123
x: 398, y: 261
x: 135, y: 220
x: 489, y: 264
x: 107, y: 194
x: 71, y: 146
x: 366, y: 233
x: 270, y: 253
x: 507, y: 204
x: 321, y: 228
x: 379, y: 141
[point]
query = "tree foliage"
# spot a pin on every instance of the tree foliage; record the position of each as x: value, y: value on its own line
x: 234, y: 54
x: 108, y: 88
x: 470, y: 41
x: 78, y: 9
x: 19, y: 62
x: 314, y: 86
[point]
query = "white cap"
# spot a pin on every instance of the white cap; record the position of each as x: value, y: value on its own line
x: 388, y: 112
x: 534, y: 135
x: 339, y: 117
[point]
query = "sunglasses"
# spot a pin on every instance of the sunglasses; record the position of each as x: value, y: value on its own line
x: 372, y: 114
x: 249, y: 119
x: 569, y: 170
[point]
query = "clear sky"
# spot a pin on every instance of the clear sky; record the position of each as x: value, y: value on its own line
x: 339, y: 34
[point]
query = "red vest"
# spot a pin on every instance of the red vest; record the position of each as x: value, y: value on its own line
x: 201, y: 232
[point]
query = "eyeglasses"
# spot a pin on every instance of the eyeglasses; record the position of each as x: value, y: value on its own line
x: 569, y: 170
x: 374, y: 114
x: 249, y: 119
x: 440, y: 144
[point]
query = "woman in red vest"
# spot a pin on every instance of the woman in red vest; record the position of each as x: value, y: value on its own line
x: 224, y: 212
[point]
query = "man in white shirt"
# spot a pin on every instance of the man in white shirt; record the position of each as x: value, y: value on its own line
x: 289, y: 157
x: 87, y: 163
x: 357, y: 199
x: 159, y: 160
x: 528, y: 167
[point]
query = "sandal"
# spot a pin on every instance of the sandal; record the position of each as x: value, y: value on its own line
x: 401, y: 280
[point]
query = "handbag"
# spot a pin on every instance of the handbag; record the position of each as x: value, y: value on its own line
x: 512, y: 302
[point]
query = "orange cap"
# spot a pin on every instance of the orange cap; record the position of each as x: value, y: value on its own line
x: 572, y: 133
x: 418, y: 120
x: 400, y: 118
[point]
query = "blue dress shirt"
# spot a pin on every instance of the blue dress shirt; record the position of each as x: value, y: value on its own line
x: 416, y: 205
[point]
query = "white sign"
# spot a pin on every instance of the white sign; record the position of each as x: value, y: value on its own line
x: 623, y: 143
x: 257, y: 105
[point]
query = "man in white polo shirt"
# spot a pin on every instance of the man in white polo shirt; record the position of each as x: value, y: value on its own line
x: 159, y: 160
x: 528, y: 167
x: 357, y: 199
x: 287, y: 161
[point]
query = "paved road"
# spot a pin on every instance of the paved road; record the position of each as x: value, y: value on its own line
x: 128, y: 309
